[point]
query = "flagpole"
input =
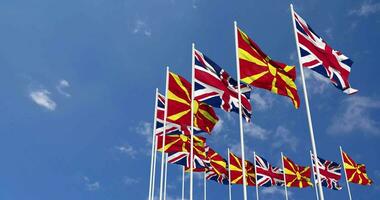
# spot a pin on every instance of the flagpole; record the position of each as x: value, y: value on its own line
x: 257, y: 185
x: 345, y: 174
x: 314, y: 148
x: 152, y: 161
x: 192, y: 121
x: 164, y: 134
x: 316, y: 189
x: 183, y: 183
x: 240, y: 114
x: 166, y: 175
x: 283, y: 170
x: 204, y: 187
x: 229, y: 176
x: 154, y: 166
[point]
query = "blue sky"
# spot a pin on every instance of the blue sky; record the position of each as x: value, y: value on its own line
x: 78, y: 80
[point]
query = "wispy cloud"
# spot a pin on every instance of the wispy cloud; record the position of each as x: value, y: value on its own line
x: 145, y: 129
x: 274, y: 191
x: 366, y: 8
x: 91, y: 186
x: 255, y: 131
x: 316, y: 82
x: 130, y: 180
x: 355, y: 114
x: 127, y: 149
x: 41, y: 97
x: 283, y: 138
x: 141, y: 27
x: 61, y: 86
x: 262, y: 101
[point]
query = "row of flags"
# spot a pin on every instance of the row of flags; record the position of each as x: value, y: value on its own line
x: 259, y: 172
x: 186, y: 112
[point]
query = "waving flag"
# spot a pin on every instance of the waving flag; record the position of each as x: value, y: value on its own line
x: 181, y: 143
x: 356, y: 173
x: 183, y: 158
x: 329, y: 172
x: 267, y: 175
x: 179, y: 106
x: 171, y: 128
x: 295, y: 175
x: 259, y: 70
x: 214, y: 86
x: 236, y: 170
x: 217, y: 171
x: 317, y: 55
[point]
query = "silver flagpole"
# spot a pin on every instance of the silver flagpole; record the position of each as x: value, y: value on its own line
x: 229, y: 176
x: 183, y: 183
x: 204, y: 187
x: 257, y: 186
x: 154, y: 167
x: 166, y: 175
x: 152, y: 160
x: 164, y: 133
x: 192, y: 122
x: 315, y: 183
x: 345, y: 174
x: 240, y: 113
x: 314, y: 148
x: 283, y: 170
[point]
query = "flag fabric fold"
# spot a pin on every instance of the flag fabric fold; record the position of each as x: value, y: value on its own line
x: 318, y: 56
x: 296, y: 175
x: 356, y: 173
x: 236, y: 170
x: 179, y: 106
x: 268, y: 175
x: 330, y: 173
x: 259, y: 70
x: 217, y: 170
x: 214, y: 86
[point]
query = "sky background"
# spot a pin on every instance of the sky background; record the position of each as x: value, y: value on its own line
x: 78, y: 78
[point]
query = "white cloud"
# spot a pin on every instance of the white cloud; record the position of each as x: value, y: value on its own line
x: 145, y: 129
x: 367, y: 8
x: 61, y: 86
x: 255, y: 131
x: 316, y: 83
x: 275, y: 190
x: 91, y: 186
x: 41, y: 98
x: 282, y: 137
x: 130, y: 181
x: 127, y: 149
x: 141, y: 27
x: 355, y: 114
x: 262, y: 101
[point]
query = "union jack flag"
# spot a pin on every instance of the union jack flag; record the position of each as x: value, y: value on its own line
x: 217, y: 169
x: 171, y: 128
x: 268, y: 175
x: 317, y: 55
x: 183, y: 158
x: 330, y: 173
x: 214, y: 86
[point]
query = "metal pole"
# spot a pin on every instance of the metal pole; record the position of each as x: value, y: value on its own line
x: 229, y: 176
x: 257, y: 185
x: 153, y: 161
x: 345, y: 174
x: 164, y: 134
x: 316, y: 183
x: 192, y: 122
x: 283, y: 169
x: 183, y: 183
x: 240, y: 114
x: 314, y: 148
x: 166, y: 175
x: 204, y: 187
